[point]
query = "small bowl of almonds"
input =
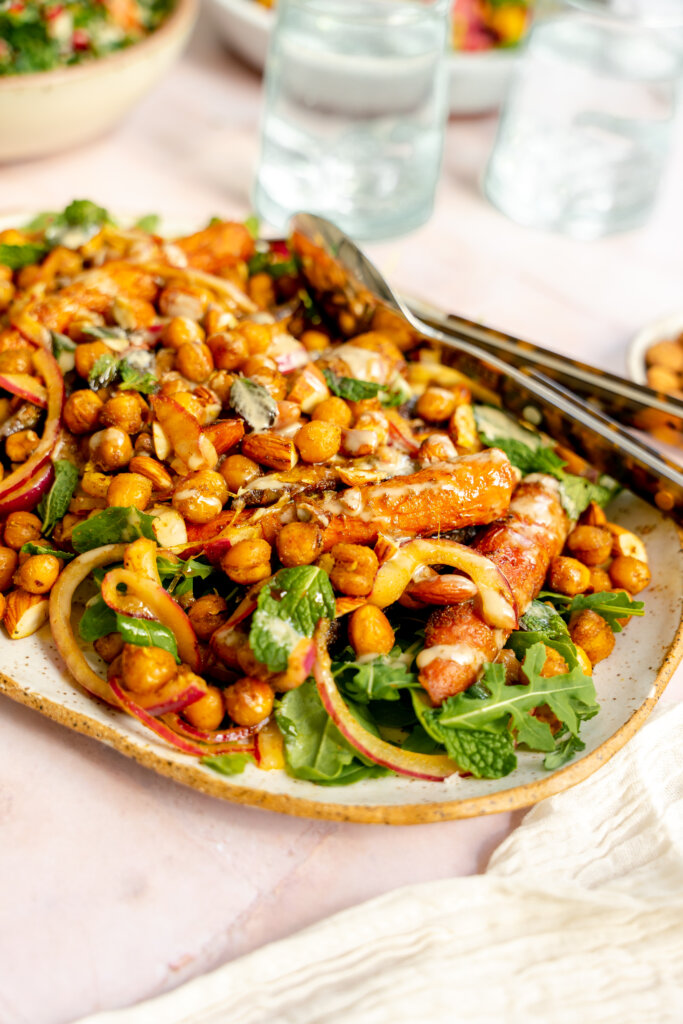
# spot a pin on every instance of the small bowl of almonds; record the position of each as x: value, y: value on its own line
x: 655, y: 355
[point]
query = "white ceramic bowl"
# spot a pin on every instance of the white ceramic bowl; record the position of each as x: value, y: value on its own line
x: 478, y: 82
x: 49, y: 111
x: 665, y: 329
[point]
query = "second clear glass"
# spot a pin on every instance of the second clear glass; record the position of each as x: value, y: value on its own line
x: 355, y: 112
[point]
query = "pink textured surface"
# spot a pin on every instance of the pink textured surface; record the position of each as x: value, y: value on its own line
x: 116, y: 884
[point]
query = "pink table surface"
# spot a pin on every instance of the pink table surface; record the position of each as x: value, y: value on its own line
x: 116, y: 884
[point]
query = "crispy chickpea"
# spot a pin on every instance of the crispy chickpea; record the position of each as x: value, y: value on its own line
x: 627, y: 573
x: 109, y: 647
x: 82, y: 411
x: 38, y: 574
x: 299, y: 543
x: 221, y: 383
x: 207, y: 614
x: 592, y: 545
x: 208, y: 712
x: 435, y: 405
x: 200, y: 496
x: 248, y: 701
x: 111, y: 448
x: 65, y: 527
x: 124, y: 410
x: 238, y: 471
x: 146, y: 669
x: 318, y: 441
x: 271, y: 379
x: 87, y: 354
x: 668, y: 354
x: 18, y: 360
x: 333, y: 410
x: 181, y: 331
x: 590, y: 631
x: 7, y: 291
x: 144, y: 444
x: 188, y: 302
x: 229, y: 350
x: 261, y: 290
x: 513, y: 669
x: 194, y: 361
x: 129, y: 490
x: 21, y: 446
x: 370, y: 631
x: 554, y: 664
x: 8, y: 564
x: 20, y: 528
x: 315, y: 341
x: 662, y: 379
x: 247, y: 562
x: 95, y: 484
x: 599, y: 581
x: 355, y: 568
x: 568, y: 576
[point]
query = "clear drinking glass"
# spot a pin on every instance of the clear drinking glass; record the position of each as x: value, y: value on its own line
x: 355, y: 111
x: 585, y: 133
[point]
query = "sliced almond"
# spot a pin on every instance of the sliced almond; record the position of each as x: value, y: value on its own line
x: 169, y: 527
x: 625, y: 542
x: 270, y: 450
x: 25, y: 613
x: 162, y: 445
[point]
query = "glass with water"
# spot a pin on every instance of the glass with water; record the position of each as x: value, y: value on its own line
x: 584, y: 137
x: 355, y: 111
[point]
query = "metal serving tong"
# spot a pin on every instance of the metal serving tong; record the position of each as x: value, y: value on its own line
x: 521, y: 385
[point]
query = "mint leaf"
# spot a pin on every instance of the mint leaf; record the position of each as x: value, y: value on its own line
x: 528, y: 460
x: 289, y: 607
x: 104, y: 372
x: 147, y: 633
x: 31, y: 548
x: 81, y: 213
x: 17, y: 256
x: 136, y: 380
x: 97, y: 620
x: 577, y: 494
x: 55, y: 504
x: 485, y: 755
x: 543, y: 618
x: 178, y: 577
x: 611, y: 606
x: 253, y: 403
x: 150, y: 223
x: 95, y: 331
x: 273, y: 264
x: 116, y: 525
x: 379, y: 679
x: 350, y: 389
x: 227, y: 764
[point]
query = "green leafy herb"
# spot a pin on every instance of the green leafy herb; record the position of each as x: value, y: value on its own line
x: 31, y: 548
x: 104, y: 372
x: 566, y: 746
x: 253, y: 225
x: 80, y: 214
x: 611, y: 606
x: 63, y: 349
x: 137, y: 380
x: 17, y: 256
x: 112, y: 333
x: 178, y: 577
x: 147, y: 633
x: 528, y: 460
x: 55, y: 504
x: 117, y: 525
x: 273, y: 264
x: 543, y: 618
x: 97, y: 620
x: 379, y: 679
x: 253, y: 403
x: 227, y: 764
x: 40, y: 221
x: 577, y: 493
x: 351, y: 389
x: 289, y: 608
x: 150, y: 223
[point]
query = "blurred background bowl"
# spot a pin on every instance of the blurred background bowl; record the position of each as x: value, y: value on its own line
x: 667, y: 328
x: 478, y: 81
x: 49, y: 111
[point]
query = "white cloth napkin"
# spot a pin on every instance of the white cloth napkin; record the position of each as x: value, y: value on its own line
x: 579, y: 918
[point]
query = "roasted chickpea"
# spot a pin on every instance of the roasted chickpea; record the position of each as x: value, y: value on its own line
x: 272, y: 380
x: 65, y: 527
x: 248, y: 701
x: 20, y: 528
x: 221, y: 383
x: 21, y: 446
x: 568, y: 576
x: 370, y: 631
x: 247, y: 562
x: 238, y: 471
x: 208, y: 712
x: 109, y: 647
x: 668, y: 354
x: 436, y: 448
x: 38, y: 574
x: 315, y: 341
x: 111, y: 448
x: 627, y: 573
x: 87, y: 354
x: 599, y: 581
x: 123, y: 410
x: 194, y: 361
x: 8, y: 564
x: 333, y: 410
x: 299, y: 543
x: 554, y: 664
x: 144, y: 444
x: 200, y: 496
x: 257, y: 336
x: 82, y: 411
x: 7, y: 291
x: 207, y: 614
x: 129, y: 490
x: 189, y: 302
x: 181, y: 331
x: 318, y: 441
x: 229, y: 350
x: 435, y: 405
x: 95, y: 484
x: 591, y: 632
x: 663, y: 379
x: 592, y: 545
x: 513, y: 669
x: 146, y: 669
x: 17, y: 360
x: 261, y: 290
x: 355, y: 568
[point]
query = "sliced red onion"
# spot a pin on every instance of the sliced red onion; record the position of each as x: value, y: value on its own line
x: 25, y: 386
x: 26, y: 497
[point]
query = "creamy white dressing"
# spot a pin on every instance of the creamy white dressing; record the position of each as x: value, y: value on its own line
x: 461, y: 654
x: 363, y: 364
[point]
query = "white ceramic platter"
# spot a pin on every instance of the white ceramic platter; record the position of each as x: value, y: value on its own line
x: 478, y: 82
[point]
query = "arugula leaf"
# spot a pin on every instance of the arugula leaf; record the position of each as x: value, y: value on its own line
x: 227, y: 764
x: 116, y: 525
x: 253, y: 225
x: 379, y: 679
x: 17, y: 256
x: 150, y: 223
x: 351, y: 389
x: 289, y: 608
x: 104, y: 371
x: 566, y: 746
x: 55, y: 504
x: 137, y: 380
x: 31, y: 548
x: 147, y: 633
x: 97, y: 620
x: 611, y: 606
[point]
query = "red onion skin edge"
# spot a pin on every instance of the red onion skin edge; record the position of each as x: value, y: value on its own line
x: 228, y: 739
x: 25, y: 497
